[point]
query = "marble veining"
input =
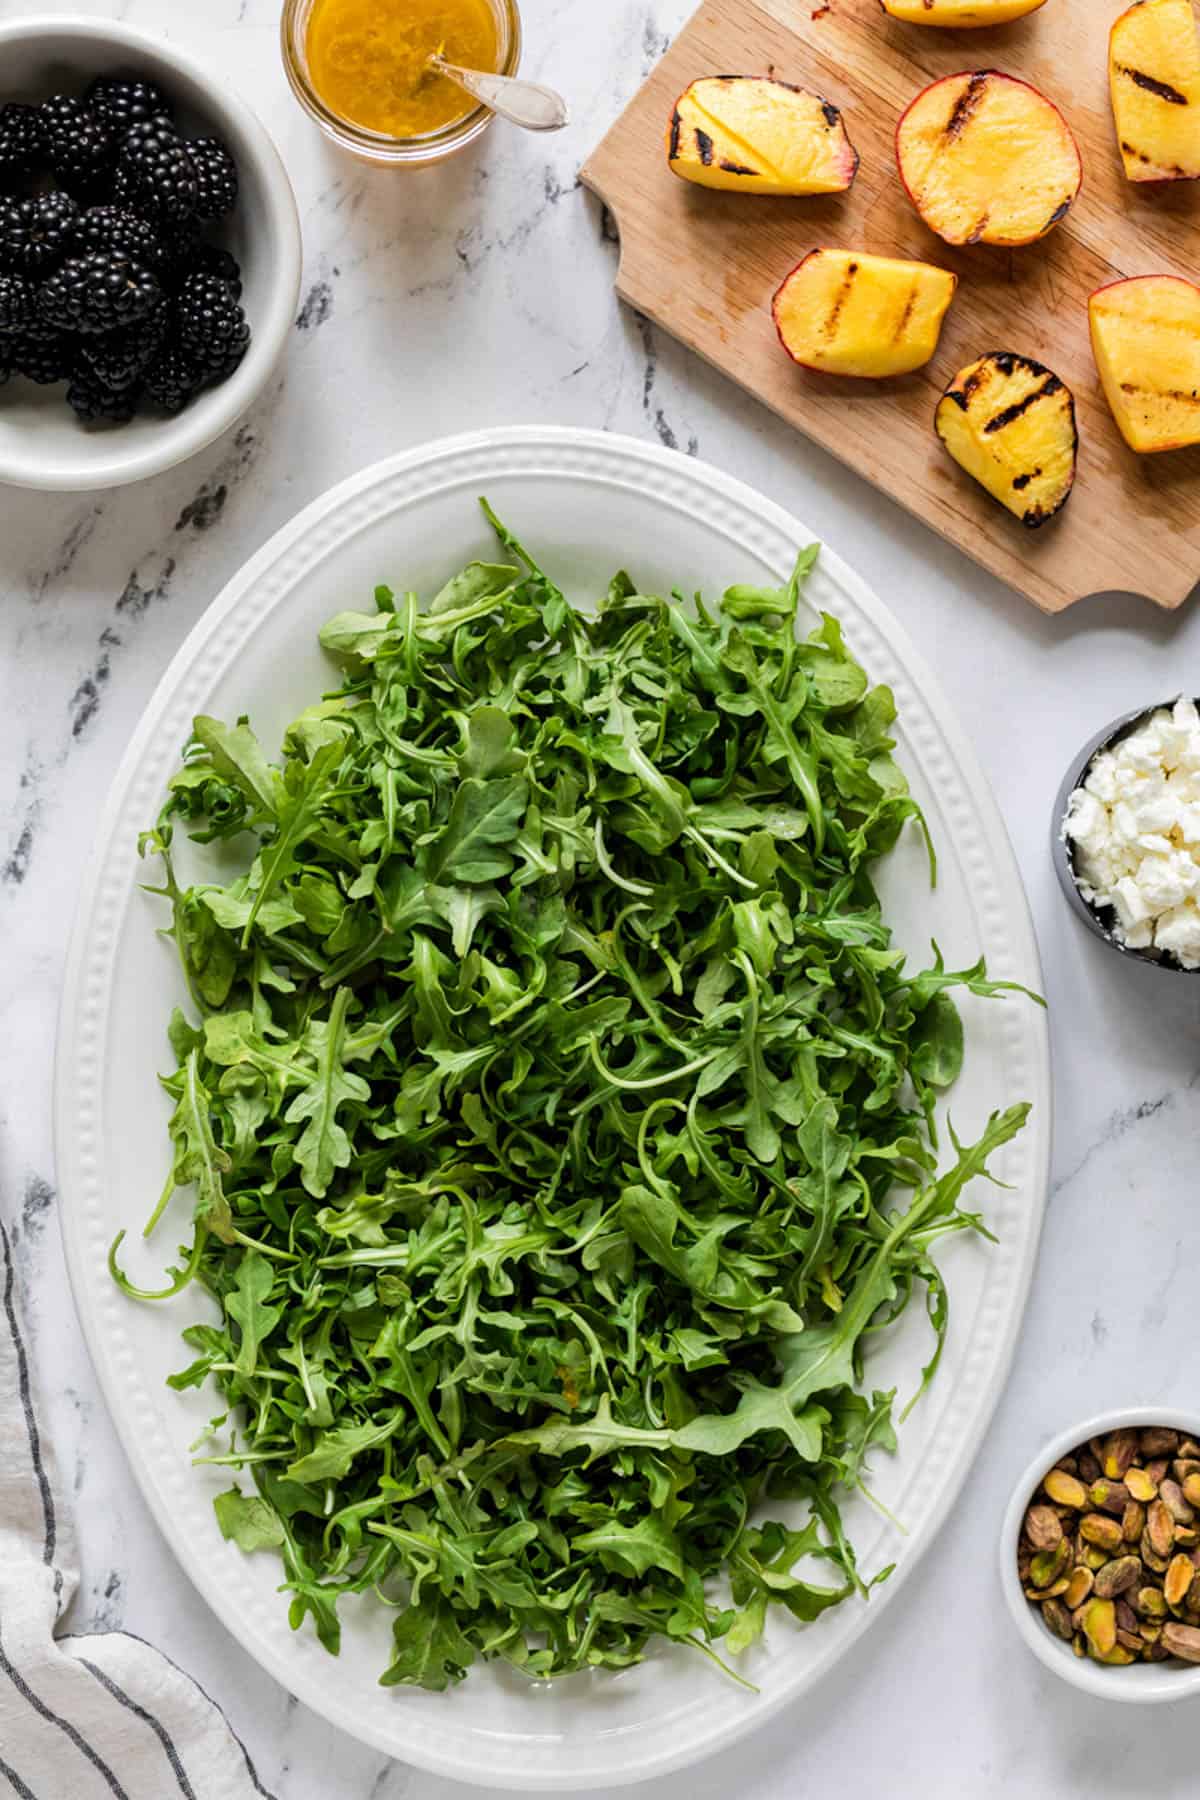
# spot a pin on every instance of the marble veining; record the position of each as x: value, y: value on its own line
x: 478, y: 294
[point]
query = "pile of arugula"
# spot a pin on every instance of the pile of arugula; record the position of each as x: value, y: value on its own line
x: 560, y: 1118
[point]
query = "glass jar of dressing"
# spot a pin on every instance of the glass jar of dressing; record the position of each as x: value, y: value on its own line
x: 359, y: 68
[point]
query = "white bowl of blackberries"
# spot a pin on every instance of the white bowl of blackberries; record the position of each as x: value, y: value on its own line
x: 149, y: 255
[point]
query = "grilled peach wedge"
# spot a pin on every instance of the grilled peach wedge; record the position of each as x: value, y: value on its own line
x: 751, y: 134
x: 959, y: 15
x: 987, y: 159
x: 1011, y: 424
x: 871, y: 316
x: 1154, y: 77
x: 1146, y: 341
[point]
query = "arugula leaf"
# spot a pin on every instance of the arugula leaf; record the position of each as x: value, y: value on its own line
x: 484, y: 817
x: 324, y: 1144
x: 236, y: 755
x: 634, y: 1549
x: 335, y: 1451
x: 248, y: 1521
x: 428, y: 1648
x: 199, y: 1160
x: 247, y: 1305
x: 305, y: 792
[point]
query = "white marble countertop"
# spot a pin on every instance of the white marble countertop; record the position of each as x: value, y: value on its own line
x: 495, y: 274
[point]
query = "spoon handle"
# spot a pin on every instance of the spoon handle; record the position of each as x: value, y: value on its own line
x: 523, y: 103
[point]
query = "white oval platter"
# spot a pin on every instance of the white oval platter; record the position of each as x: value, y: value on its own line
x: 586, y: 503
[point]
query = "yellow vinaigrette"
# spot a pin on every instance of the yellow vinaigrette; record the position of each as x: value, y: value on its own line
x: 367, y: 60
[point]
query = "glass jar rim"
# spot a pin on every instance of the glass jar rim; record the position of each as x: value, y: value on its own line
x: 380, y: 146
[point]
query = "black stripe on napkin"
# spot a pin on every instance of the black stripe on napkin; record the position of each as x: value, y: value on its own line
x: 160, y: 1731
x: 35, y: 1443
x: 64, y: 1725
x: 219, y: 1710
x: 18, y: 1786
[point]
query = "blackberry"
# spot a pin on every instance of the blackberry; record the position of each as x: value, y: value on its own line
x: 124, y: 193
x: 210, y: 260
x: 43, y: 356
x: 216, y: 177
x: 212, y: 325
x: 35, y: 234
x: 123, y: 233
x: 237, y: 349
x: 17, y: 302
x: 22, y: 142
x: 188, y: 254
x: 179, y: 246
x: 118, y: 104
x: 92, y: 402
x: 80, y: 148
x: 98, y: 292
x: 156, y: 171
x: 116, y: 360
x: 172, y: 380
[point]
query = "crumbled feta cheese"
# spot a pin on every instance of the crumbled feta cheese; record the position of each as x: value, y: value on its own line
x: 1135, y: 828
x: 1178, y: 932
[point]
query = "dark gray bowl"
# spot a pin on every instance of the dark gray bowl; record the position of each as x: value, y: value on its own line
x: 1101, y: 920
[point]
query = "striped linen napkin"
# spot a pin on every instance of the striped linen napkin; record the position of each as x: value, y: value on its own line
x: 84, y: 1717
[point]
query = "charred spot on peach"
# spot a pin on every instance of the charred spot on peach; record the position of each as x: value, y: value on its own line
x: 753, y: 134
x: 988, y: 159
x: 1010, y: 423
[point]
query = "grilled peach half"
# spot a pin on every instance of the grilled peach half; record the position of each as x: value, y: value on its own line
x: 1146, y: 341
x: 851, y: 314
x: 1010, y: 423
x: 1154, y: 78
x: 959, y: 15
x: 751, y: 134
x: 987, y: 159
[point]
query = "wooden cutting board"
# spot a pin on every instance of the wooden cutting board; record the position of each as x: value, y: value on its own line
x: 705, y: 265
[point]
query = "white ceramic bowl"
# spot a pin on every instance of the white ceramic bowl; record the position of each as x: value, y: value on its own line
x: 1142, y: 1684
x: 42, y: 444
x: 1100, y: 921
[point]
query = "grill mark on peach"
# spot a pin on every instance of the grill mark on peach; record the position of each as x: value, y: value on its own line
x: 734, y: 138
x: 965, y: 106
x: 1140, y: 155
x: 833, y: 117
x: 1021, y: 482
x: 1060, y: 212
x: 1181, y: 394
x: 835, y: 311
x: 1051, y: 385
x: 732, y: 168
x: 963, y: 396
x: 907, y: 314
x: 704, y: 145
x: 1158, y: 324
x: 676, y: 128
x: 1152, y: 85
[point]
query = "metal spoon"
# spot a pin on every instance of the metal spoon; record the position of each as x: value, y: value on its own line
x: 523, y: 103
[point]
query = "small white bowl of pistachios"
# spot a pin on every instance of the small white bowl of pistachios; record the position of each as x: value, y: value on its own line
x: 1100, y: 1555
